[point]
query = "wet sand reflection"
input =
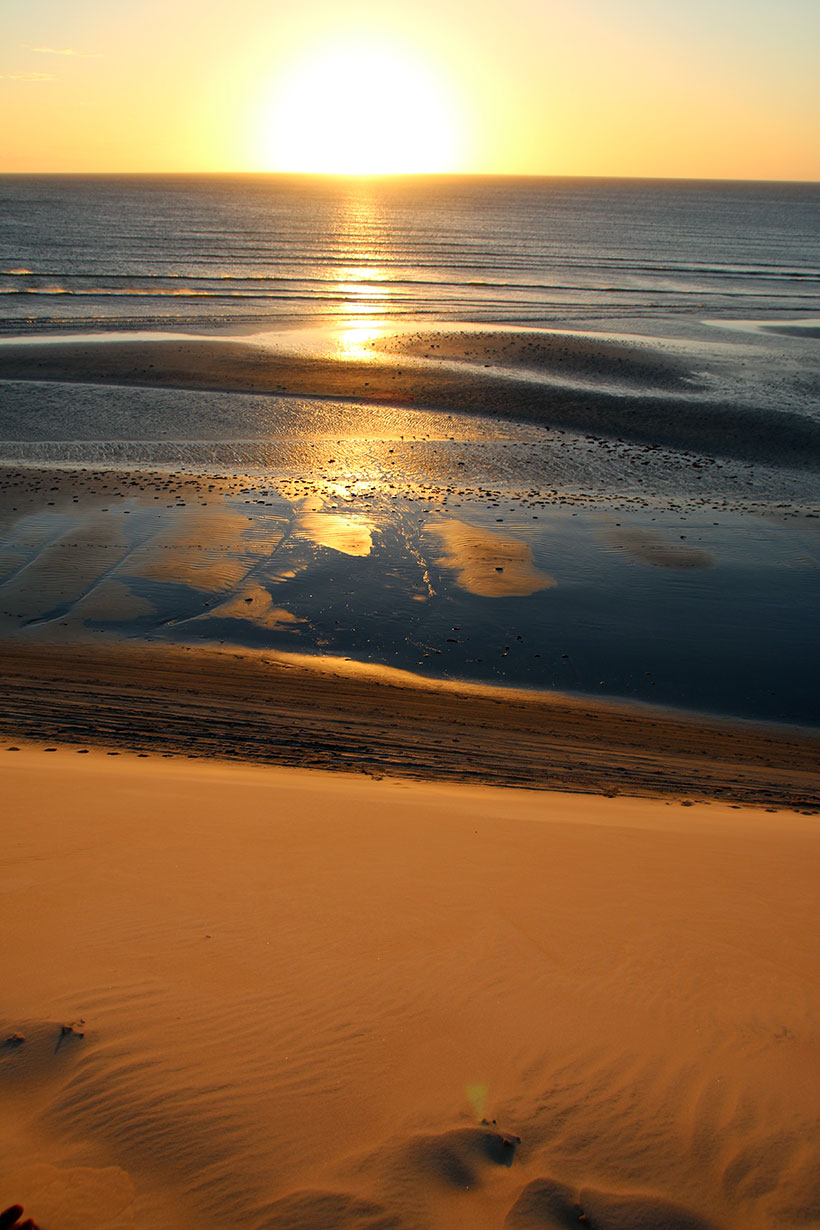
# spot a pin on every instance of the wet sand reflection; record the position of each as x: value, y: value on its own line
x: 348, y: 533
x: 657, y: 549
x: 203, y: 548
x: 486, y: 563
x: 253, y: 604
x: 668, y: 612
x: 112, y: 601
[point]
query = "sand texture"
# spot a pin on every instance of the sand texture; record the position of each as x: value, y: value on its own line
x: 620, y: 390
x: 236, y: 995
x: 292, y: 709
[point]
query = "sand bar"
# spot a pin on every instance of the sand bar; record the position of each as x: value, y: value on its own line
x: 582, y: 383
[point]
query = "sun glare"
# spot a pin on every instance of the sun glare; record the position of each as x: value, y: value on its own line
x: 360, y: 108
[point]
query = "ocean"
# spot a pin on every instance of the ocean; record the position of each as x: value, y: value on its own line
x: 125, y: 252
x: 649, y: 532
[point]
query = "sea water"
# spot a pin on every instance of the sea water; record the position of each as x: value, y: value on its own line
x: 131, y: 252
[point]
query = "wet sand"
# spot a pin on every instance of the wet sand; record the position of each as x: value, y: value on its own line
x: 188, y: 637
x: 618, y: 389
x: 327, y: 713
x: 371, y: 550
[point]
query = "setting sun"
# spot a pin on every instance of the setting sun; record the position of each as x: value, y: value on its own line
x: 359, y: 108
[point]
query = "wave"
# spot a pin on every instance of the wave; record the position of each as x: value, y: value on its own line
x: 444, y: 293
x: 395, y: 267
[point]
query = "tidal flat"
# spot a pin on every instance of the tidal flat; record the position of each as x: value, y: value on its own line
x: 482, y: 544
x: 698, y: 607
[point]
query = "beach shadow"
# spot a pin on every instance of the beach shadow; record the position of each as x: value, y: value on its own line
x: 547, y: 1204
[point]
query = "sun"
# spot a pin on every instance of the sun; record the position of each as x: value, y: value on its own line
x: 360, y: 107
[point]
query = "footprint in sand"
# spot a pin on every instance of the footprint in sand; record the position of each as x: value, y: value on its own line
x: 545, y: 1203
x: 451, y: 1160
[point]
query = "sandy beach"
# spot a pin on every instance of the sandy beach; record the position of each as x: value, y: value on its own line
x: 343, y: 885
x: 277, y: 998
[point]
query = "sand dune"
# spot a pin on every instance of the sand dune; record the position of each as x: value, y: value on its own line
x: 270, y: 998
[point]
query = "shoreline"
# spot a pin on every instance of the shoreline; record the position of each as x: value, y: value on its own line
x: 439, y: 366
x: 291, y: 710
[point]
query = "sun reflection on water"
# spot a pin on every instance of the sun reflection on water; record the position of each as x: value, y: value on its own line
x: 364, y: 283
x: 355, y: 340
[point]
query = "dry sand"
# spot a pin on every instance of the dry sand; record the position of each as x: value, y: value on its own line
x: 236, y: 995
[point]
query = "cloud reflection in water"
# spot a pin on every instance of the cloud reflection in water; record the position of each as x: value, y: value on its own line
x: 349, y: 533
x: 486, y: 563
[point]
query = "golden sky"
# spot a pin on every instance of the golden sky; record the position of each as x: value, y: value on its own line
x: 542, y: 87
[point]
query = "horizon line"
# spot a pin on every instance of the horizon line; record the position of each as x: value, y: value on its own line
x: 408, y: 175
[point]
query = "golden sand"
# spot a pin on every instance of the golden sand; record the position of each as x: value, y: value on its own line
x: 273, y: 998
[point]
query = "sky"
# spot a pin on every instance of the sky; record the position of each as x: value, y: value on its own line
x: 703, y: 89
